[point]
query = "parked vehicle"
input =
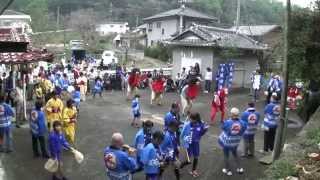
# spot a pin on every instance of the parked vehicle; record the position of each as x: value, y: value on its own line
x: 108, y: 57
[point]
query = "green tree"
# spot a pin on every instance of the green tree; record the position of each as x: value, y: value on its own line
x: 38, y: 10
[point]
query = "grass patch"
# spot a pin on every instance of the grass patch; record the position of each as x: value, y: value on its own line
x: 281, y: 169
x: 313, y: 137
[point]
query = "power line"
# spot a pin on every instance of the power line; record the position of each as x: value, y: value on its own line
x: 6, y: 7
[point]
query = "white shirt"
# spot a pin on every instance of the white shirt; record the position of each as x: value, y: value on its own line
x: 256, y: 81
x: 208, y: 76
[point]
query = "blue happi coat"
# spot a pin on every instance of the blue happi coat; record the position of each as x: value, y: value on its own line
x: 192, y: 132
x: 169, y: 117
x: 232, y: 131
x: 151, y: 158
x: 38, y: 124
x: 118, y: 163
x: 251, y: 117
x: 57, y: 141
x: 6, y: 113
x: 64, y: 83
x: 98, y: 86
x: 135, y: 105
x: 169, y: 146
x: 76, y: 96
x: 140, y: 141
x: 271, y: 115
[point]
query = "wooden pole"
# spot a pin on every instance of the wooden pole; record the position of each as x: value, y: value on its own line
x: 279, y: 141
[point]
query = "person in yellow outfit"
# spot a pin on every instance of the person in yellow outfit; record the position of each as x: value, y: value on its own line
x: 39, y: 93
x: 69, y: 117
x: 47, y: 87
x: 54, y: 109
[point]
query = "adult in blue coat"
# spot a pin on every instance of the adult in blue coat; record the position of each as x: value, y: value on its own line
x: 119, y: 163
x: 38, y: 128
x: 270, y: 122
x: 229, y: 139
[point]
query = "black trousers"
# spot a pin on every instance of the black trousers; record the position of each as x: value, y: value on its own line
x: 269, y: 137
x: 39, y: 140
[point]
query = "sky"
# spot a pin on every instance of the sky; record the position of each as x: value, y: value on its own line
x: 302, y: 3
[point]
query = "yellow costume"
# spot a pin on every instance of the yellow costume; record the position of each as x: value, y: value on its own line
x: 54, y: 109
x: 39, y: 92
x: 46, y: 86
x: 69, y: 118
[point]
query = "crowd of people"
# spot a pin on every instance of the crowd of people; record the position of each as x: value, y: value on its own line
x: 179, y: 141
x: 57, y: 104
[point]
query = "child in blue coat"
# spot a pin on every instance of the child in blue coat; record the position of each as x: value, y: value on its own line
x: 170, y: 147
x: 76, y: 96
x: 38, y: 129
x: 57, y: 142
x: 251, y: 117
x: 191, y: 135
x: 97, y: 87
x: 142, y: 138
x: 151, y: 157
x: 135, y: 105
x: 229, y: 139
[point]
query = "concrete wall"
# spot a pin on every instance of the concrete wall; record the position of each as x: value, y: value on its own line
x: 244, y: 65
x: 170, y: 26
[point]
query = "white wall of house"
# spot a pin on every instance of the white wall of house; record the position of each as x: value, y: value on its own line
x: 109, y: 28
x: 161, y: 30
x: 244, y: 65
x: 188, y: 56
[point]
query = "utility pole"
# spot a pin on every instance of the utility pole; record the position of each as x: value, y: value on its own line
x: 6, y: 7
x: 238, y: 15
x: 58, y: 17
x: 279, y: 141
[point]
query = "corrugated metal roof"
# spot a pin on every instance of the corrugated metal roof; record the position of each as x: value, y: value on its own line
x: 214, y: 36
x: 181, y: 12
x: 255, y: 30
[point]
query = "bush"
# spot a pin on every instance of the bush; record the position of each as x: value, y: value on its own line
x: 158, y: 52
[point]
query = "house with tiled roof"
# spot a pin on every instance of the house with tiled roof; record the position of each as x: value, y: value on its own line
x: 211, y: 46
x: 267, y: 34
x: 166, y: 25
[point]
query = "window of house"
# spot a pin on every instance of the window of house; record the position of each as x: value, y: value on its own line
x: 150, y: 26
x: 121, y: 26
x: 187, y: 53
x: 162, y: 31
x: 112, y: 26
x: 158, y: 24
